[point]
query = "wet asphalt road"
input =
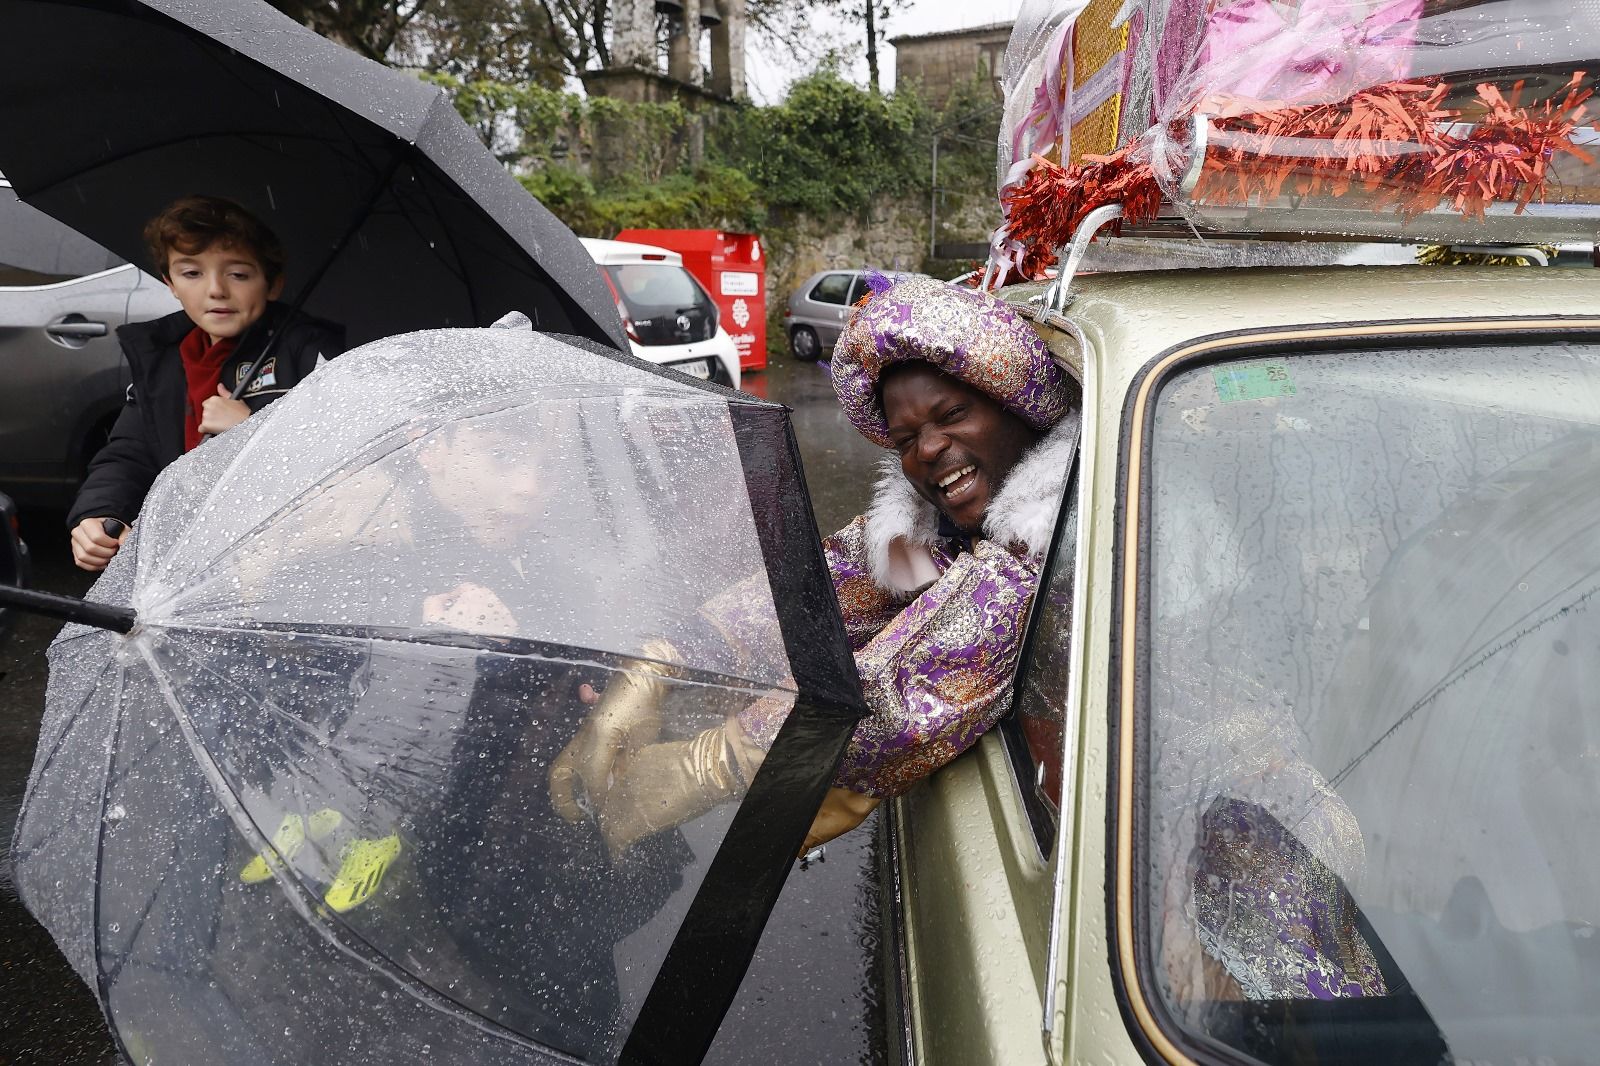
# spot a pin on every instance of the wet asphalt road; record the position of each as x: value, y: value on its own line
x: 812, y: 994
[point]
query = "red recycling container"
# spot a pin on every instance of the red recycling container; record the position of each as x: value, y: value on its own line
x: 732, y: 268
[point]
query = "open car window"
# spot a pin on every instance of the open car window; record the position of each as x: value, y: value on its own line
x: 1365, y: 661
x: 1033, y: 733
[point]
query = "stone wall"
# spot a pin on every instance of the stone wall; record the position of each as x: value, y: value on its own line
x: 891, y: 238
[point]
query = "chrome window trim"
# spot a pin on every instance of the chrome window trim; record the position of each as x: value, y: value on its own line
x: 1072, y: 727
x: 894, y: 926
x: 70, y: 281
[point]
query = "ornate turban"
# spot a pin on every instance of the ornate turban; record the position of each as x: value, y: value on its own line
x: 968, y: 334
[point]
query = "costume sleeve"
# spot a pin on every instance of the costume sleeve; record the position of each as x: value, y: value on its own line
x: 939, y: 674
x: 865, y: 605
x: 120, y: 474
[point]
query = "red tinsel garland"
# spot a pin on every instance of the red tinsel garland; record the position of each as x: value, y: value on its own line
x: 1392, y: 143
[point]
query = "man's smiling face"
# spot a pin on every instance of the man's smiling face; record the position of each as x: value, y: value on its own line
x: 956, y: 443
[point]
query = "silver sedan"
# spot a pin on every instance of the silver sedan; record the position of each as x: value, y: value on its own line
x: 818, y: 309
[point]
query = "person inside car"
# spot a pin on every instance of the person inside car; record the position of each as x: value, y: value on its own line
x: 934, y: 581
x: 227, y: 270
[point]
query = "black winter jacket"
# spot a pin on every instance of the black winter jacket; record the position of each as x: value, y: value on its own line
x: 148, y: 434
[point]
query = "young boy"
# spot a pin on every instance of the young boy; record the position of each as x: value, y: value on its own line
x: 226, y: 269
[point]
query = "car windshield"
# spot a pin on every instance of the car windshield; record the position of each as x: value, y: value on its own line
x: 1369, y: 647
x: 664, y: 303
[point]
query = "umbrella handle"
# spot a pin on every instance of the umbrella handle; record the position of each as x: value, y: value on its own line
x: 84, y: 612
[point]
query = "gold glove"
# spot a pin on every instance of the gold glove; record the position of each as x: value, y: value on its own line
x: 627, y: 718
x: 664, y: 785
x: 841, y: 811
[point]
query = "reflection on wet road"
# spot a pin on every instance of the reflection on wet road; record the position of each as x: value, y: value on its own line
x: 812, y: 991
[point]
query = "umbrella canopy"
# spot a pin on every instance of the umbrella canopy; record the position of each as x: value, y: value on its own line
x: 111, y: 109
x: 363, y: 620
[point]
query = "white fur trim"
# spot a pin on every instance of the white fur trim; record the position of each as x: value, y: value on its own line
x: 1023, y: 513
x: 902, y: 526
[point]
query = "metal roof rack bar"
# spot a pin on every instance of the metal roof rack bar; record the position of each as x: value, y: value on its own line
x: 1055, y: 297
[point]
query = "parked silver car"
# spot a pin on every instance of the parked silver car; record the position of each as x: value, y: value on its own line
x: 62, y: 298
x: 817, y: 311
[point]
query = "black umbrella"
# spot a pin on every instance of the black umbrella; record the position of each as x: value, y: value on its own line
x: 394, y: 216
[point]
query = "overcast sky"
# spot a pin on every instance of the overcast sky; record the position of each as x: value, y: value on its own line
x: 769, y: 70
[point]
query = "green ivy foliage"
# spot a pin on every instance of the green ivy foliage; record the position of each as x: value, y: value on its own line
x: 833, y: 147
x: 830, y: 148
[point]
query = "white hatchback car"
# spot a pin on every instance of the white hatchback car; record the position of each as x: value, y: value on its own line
x: 670, y: 318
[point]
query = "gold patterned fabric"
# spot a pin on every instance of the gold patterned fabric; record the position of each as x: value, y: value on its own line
x: 936, y: 668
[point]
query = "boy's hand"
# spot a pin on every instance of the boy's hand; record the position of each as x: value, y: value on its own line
x: 220, y: 413
x: 92, y: 547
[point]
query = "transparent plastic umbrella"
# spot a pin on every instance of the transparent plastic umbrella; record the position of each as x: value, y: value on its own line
x: 303, y: 809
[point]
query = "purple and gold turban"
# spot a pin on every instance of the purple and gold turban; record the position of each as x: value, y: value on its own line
x: 968, y: 334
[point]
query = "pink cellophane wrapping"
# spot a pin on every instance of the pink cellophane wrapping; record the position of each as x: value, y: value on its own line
x: 1425, y: 118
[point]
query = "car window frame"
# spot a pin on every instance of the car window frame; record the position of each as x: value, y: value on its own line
x: 1044, y: 816
x: 114, y: 262
x: 858, y: 288
x: 1148, y: 1022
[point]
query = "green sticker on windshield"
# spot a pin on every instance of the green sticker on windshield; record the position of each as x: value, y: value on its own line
x: 1252, y: 381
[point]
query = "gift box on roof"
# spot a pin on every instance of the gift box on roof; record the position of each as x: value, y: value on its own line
x: 1454, y: 120
x: 1100, y: 69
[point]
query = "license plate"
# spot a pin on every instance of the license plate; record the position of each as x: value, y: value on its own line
x: 700, y: 368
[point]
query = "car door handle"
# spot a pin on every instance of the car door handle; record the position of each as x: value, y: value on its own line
x: 76, y: 327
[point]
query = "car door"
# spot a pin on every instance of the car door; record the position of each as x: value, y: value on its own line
x: 830, y: 300
x: 973, y: 859
x: 62, y: 296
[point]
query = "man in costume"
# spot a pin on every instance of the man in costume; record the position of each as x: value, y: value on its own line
x: 934, y: 581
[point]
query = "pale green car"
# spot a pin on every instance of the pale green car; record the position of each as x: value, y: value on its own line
x: 1319, y: 650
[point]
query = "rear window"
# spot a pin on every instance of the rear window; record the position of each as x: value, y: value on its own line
x: 35, y: 249
x: 664, y: 303
x: 1367, y: 660
x: 833, y: 289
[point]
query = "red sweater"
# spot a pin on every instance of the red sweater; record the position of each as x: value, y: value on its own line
x: 202, y: 373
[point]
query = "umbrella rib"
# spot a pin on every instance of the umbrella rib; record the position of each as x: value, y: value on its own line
x: 102, y: 986
x: 361, y: 216
x: 460, y: 270
x: 144, y: 916
x: 44, y: 762
x: 494, y: 644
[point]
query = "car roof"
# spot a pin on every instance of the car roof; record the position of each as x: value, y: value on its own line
x: 835, y: 270
x: 1130, y: 318
x: 615, y: 252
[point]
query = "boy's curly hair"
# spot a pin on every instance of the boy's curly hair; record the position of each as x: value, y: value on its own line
x: 191, y: 224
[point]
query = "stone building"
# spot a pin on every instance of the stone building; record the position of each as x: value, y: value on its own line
x: 635, y: 72
x: 941, y: 61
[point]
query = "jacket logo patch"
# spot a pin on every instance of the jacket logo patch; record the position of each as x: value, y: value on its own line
x: 266, y: 379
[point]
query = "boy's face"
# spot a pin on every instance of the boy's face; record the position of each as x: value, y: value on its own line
x: 222, y: 288
x: 485, y: 475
